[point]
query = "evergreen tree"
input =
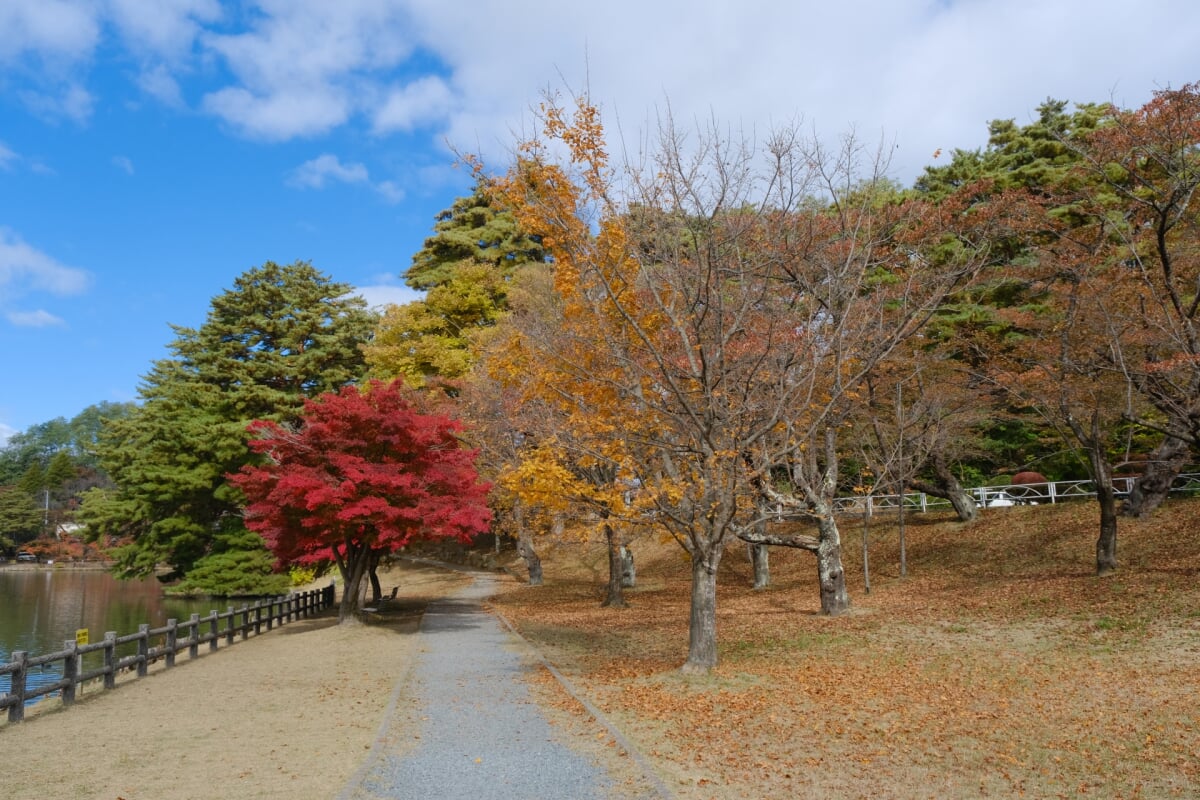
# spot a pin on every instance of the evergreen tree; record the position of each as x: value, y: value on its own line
x: 60, y: 470
x: 20, y: 517
x: 467, y: 268
x: 280, y: 335
x: 976, y: 326
x: 440, y: 335
x: 1037, y: 156
x: 473, y: 229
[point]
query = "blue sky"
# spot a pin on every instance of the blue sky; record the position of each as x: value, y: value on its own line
x: 152, y: 150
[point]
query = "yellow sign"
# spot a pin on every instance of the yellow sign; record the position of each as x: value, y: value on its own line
x: 81, y: 636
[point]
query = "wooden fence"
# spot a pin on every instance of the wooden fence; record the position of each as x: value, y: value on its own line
x: 172, y: 639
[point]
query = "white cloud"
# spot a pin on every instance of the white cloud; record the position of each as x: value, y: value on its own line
x: 72, y: 102
x: 6, y: 432
x: 381, y: 295
x: 280, y: 114
x: 57, y: 30
x: 34, y: 319
x: 326, y: 167
x: 123, y: 163
x: 23, y: 268
x: 422, y: 102
x: 928, y: 73
x: 7, y: 157
x: 166, y: 28
x: 158, y: 82
x: 307, y: 61
x: 390, y: 191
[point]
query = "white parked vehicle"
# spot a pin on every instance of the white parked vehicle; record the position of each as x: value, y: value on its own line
x: 1000, y: 499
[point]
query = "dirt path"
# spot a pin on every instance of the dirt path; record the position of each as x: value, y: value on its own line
x: 469, y: 726
x: 289, y: 715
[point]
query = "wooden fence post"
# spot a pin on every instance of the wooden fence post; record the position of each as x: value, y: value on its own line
x: 143, y: 664
x: 70, y: 671
x: 245, y: 621
x: 110, y: 659
x: 270, y: 613
x: 16, y: 712
x: 172, y: 636
x: 257, y: 618
x: 229, y: 626
x: 194, y: 636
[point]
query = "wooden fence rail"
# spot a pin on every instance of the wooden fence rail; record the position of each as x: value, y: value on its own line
x: 173, y: 638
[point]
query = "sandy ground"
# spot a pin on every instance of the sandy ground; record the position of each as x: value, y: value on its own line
x: 289, y: 714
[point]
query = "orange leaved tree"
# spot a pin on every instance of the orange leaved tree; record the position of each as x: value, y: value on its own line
x: 716, y: 309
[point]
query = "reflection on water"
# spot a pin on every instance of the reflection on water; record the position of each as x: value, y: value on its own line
x: 41, y: 608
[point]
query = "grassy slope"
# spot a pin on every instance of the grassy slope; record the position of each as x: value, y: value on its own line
x: 1000, y: 666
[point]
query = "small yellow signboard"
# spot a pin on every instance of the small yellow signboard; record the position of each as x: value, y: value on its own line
x: 81, y: 636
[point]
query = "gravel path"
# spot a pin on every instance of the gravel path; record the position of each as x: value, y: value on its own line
x: 480, y: 735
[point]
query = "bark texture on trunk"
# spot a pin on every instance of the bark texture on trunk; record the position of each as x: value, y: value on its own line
x: 1106, y: 543
x: 866, y: 553
x: 947, y: 487
x: 614, y: 596
x: 352, y: 563
x: 834, y: 597
x: 760, y: 559
x: 702, y: 628
x: 525, y: 548
x: 1094, y: 444
x: 373, y: 575
x: 533, y: 562
x: 798, y: 540
x: 628, y: 570
x: 1151, y: 489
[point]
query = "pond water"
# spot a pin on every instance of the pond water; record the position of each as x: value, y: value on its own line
x: 42, y: 607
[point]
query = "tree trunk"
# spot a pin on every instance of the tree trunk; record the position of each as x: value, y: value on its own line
x: 614, y: 596
x: 947, y: 487
x: 373, y: 575
x: 702, y: 627
x: 1093, y: 442
x: 760, y: 560
x: 832, y: 578
x: 628, y: 570
x: 525, y: 549
x: 1106, y: 544
x: 533, y: 562
x: 353, y: 566
x: 866, y: 550
x: 1151, y: 489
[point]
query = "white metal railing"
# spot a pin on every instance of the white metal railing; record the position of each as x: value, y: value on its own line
x: 1000, y: 496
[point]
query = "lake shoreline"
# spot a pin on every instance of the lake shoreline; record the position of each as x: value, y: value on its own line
x: 97, y: 566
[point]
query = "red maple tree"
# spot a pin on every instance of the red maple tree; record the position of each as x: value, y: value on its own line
x: 364, y: 474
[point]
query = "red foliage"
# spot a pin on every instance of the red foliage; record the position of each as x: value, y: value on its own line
x: 365, y: 471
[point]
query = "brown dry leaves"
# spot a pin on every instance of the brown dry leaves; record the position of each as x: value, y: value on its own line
x: 1001, y: 667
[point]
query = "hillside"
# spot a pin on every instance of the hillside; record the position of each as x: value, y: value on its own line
x: 999, y: 666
